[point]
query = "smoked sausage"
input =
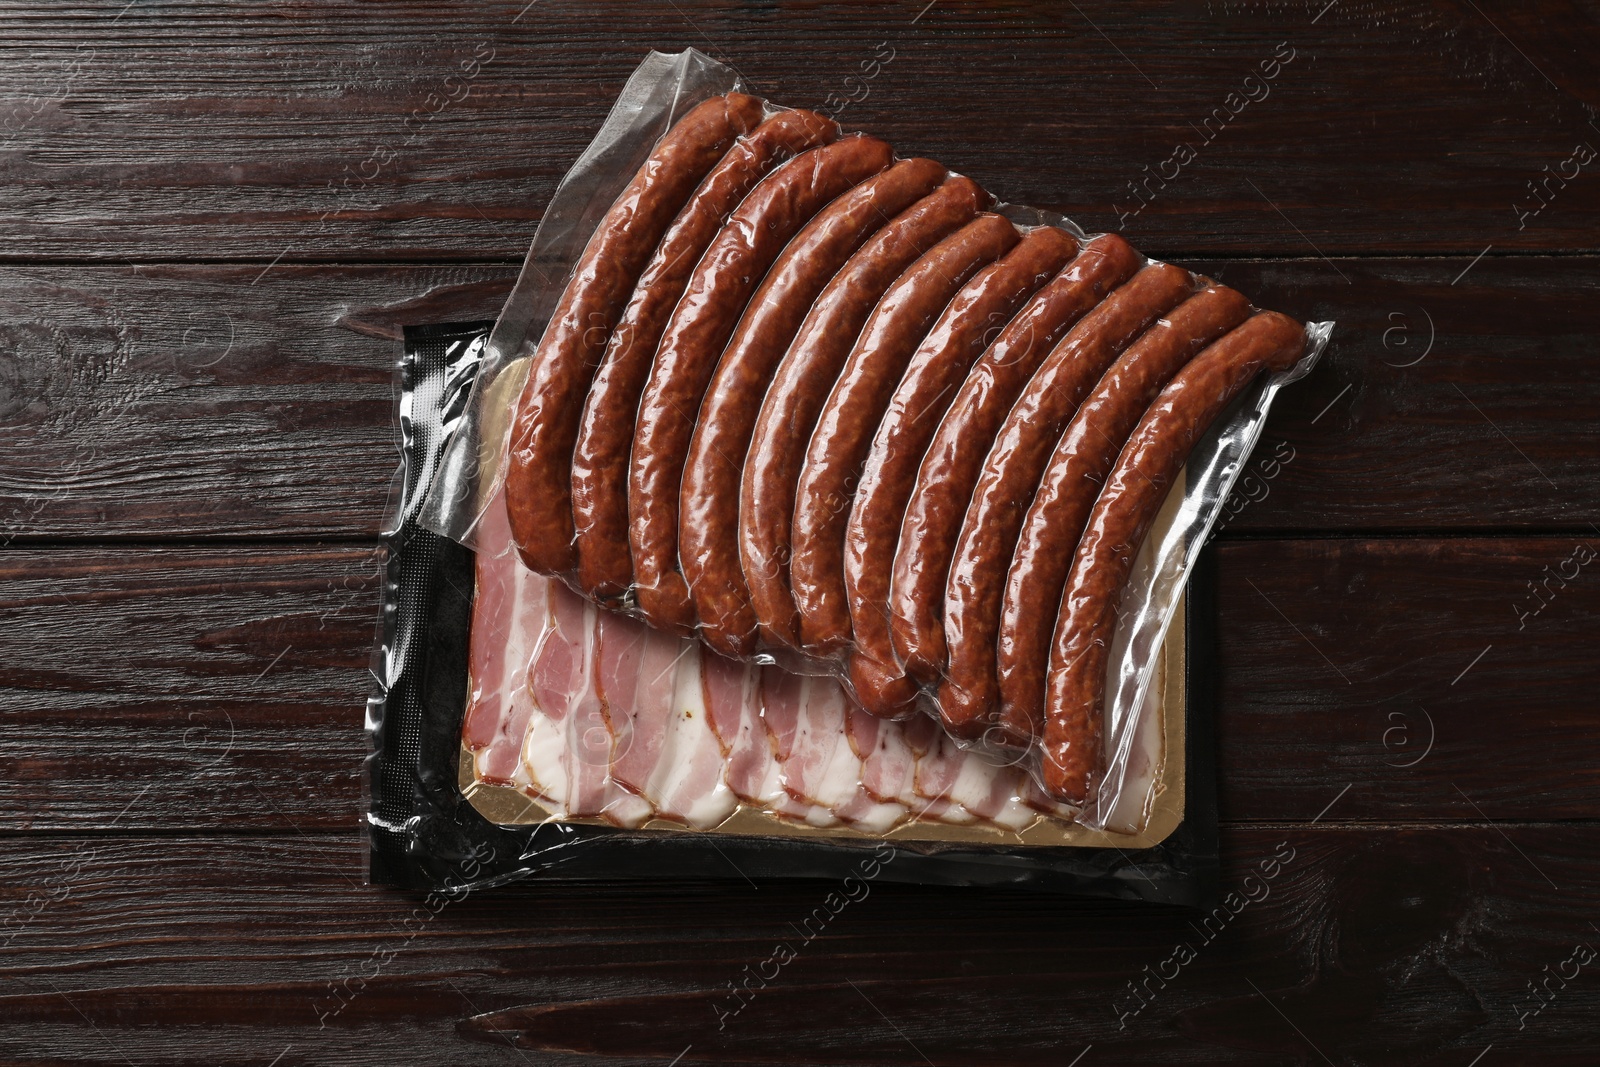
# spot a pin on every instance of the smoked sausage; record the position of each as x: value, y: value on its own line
x: 968, y: 694
x: 801, y: 385
x: 1123, y: 512
x: 538, y: 484
x: 954, y: 459
x: 693, y: 341
x: 844, y: 430
x: 708, y: 522
x: 605, y: 433
x: 1070, y: 485
x: 977, y: 314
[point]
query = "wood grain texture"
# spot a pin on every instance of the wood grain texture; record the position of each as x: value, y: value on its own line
x: 182, y: 687
x: 1383, y: 946
x: 1453, y: 394
x: 217, y: 217
x: 196, y: 401
x: 170, y: 400
x: 192, y: 670
x: 329, y: 131
x: 1426, y: 674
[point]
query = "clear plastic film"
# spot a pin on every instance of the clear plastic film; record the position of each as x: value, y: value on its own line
x: 548, y: 719
x: 1160, y: 572
x: 658, y: 93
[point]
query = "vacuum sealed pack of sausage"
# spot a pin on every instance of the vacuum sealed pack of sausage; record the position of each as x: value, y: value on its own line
x: 805, y: 497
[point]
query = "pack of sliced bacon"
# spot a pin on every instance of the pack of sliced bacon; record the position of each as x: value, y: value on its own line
x: 814, y: 490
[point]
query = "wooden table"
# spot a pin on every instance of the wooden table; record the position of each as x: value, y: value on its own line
x: 216, y: 218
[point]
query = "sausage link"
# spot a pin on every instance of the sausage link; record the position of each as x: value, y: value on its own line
x: 1134, y: 493
x: 968, y: 694
x: 801, y: 385
x: 693, y: 341
x: 538, y: 485
x: 955, y: 457
x: 1068, y: 489
x: 975, y: 317
x: 605, y: 434
x: 708, y: 522
x: 844, y: 430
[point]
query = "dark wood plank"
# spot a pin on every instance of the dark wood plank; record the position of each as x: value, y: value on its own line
x: 1389, y: 946
x: 171, y: 401
x: 186, y: 401
x: 432, y: 131
x: 229, y: 681
x: 179, y: 782
x: 160, y: 687
x: 1452, y: 395
x: 1434, y: 677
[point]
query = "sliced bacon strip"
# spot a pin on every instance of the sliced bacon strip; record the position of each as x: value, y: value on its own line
x: 598, y: 715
